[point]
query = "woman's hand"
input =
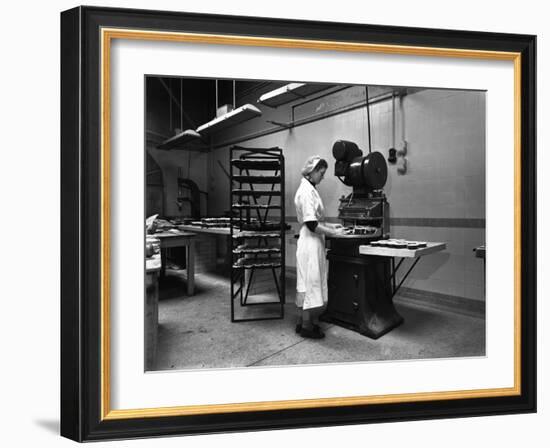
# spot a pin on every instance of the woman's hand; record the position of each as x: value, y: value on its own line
x: 330, y: 229
x: 337, y: 229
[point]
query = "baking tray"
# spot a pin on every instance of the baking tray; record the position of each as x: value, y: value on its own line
x: 256, y: 192
x: 255, y: 206
x: 251, y: 234
x: 256, y: 164
x: 258, y: 179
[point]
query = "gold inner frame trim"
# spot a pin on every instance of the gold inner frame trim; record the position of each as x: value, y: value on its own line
x: 107, y: 34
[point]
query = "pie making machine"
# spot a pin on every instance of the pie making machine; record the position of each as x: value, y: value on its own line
x: 360, y: 294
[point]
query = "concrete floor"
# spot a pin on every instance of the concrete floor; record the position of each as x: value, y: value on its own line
x: 196, y: 332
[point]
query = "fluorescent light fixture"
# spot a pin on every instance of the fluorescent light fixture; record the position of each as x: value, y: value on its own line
x: 243, y: 113
x: 180, y: 139
x: 290, y: 92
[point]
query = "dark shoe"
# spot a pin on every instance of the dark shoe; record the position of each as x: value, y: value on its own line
x: 314, y: 333
x: 299, y: 328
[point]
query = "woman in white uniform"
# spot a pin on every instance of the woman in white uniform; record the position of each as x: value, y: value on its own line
x: 311, y: 262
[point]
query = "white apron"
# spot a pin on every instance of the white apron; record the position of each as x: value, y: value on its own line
x: 311, y: 262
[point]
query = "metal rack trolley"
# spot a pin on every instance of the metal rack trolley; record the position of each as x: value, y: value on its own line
x: 257, y: 177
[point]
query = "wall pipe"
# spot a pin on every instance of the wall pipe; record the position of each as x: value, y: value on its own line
x: 368, y: 114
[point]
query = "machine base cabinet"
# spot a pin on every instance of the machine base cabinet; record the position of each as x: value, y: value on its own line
x: 360, y: 295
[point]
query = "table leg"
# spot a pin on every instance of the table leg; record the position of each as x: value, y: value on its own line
x: 151, y: 320
x: 405, y: 276
x: 393, y: 273
x: 163, y: 258
x: 191, y: 268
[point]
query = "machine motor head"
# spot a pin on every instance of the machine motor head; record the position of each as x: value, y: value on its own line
x: 369, y: 172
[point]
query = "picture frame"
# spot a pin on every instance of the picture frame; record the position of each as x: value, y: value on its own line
x: 86, y: 36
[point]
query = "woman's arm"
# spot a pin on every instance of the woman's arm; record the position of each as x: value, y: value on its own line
x: 334, y: 225
x: 324, y: 228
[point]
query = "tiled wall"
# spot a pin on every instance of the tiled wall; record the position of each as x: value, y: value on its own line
x: 194, y: 166
x: 205, y: 253
x: 445, y: 131
x: 440, y: 198
x: 263, y: 281
x: 455, y: 271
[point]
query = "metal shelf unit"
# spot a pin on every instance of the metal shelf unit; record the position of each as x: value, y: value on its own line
x: 257, y: 177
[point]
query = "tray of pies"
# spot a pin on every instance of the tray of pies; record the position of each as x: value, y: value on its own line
x: 244, y: 164
x: 253, y: 234
x: 239, y: 205
x: 256, y: 193
x: 251, y: 249
x: 263, y: 227
x: 258, y: 262
x: 258, y: 179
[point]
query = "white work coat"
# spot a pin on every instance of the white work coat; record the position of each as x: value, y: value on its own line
x: 311, y: 262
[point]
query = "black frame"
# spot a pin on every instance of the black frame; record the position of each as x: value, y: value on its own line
x: 81, y: 221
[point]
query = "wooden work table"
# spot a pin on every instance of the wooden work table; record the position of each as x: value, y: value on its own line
x: 151, y: 312
x: 178, y: 239
x: 154, y: 267
x: 226, y: 231
x: 153, y: 264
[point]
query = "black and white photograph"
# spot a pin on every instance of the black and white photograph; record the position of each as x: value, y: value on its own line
x: 298, y: 223
x: 265, y: 223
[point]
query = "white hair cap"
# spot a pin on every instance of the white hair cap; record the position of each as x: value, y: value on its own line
x: 310, y: 165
